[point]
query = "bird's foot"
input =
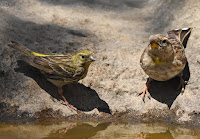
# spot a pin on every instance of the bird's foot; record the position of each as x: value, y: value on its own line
x: 145, y: 92
x: 182, y: 85
x: 68, y: 105
x: 64, y: 130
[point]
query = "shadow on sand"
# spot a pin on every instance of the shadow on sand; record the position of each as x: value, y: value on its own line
x: 78, y: 95
x: 167, y: 91
x: 100, y: 4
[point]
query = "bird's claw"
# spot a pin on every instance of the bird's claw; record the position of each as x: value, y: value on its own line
x: 68, y: 105
x: 182, y: 85
x: 145, y: 92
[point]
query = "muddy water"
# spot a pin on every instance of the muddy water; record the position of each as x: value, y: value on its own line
x: 96, y: 130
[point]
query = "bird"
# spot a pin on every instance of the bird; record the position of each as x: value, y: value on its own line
x: 59, y: 69
x: 164, y: 58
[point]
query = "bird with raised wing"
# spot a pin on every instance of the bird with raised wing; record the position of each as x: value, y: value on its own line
x: 164, y: 57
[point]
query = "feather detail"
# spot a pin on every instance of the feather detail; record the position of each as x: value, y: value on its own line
x: 30, y: 60
x: 20, y: 48
x: 180, y: 34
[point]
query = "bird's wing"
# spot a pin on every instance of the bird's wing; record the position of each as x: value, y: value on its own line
x: 39, y: 63
x: 65, y: 70
x: 61, y: 65
x: 180, y: 34
x: 179, y: 52
x: 52, y: 66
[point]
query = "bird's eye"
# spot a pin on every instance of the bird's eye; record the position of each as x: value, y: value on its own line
x: 164, y: 41
x: 83, y: 57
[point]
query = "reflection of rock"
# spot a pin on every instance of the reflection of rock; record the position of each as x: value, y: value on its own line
x: 30, y: 131
x: 144, y: 131
x: 181, y: 133
x: 166, y: 135
x: 118, y: 32
x: 79, y: 131
x: 95, y: 130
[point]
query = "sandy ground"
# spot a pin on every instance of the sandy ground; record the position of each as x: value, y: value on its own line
x: 117, y: 31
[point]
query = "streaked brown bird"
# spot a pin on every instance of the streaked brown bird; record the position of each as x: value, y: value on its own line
x: 164, y: 58
x: 59, y: 69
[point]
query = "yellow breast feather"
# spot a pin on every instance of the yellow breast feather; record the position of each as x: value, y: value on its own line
x: 157, y: 61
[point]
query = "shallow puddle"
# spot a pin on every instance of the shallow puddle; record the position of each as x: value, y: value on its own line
x: 96, y: 130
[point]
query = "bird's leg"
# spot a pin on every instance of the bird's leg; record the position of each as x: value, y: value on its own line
x: 145, y: 91
x: 60, y: 91
x: 182, y: 84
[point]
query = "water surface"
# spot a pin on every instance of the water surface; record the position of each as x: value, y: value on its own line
x: 91, y: 130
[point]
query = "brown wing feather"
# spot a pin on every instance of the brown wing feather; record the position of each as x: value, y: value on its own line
x: 50, y: 67
x: 30, y: 60
x: 67, y: 73
x: 42, y: 61
x: 178, y: 51
x: 62, y: 66
x: 180, y: 34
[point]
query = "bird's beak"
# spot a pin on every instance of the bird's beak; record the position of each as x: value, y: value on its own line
x: 154, y: 44
x: 92, y: 58
x: 153, y: 41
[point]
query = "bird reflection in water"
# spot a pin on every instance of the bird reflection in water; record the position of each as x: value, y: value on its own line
x: 77, y: 131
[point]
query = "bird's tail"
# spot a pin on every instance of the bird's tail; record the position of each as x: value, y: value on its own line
x: 21, y: 48
x: 32, y: 58
x: 25, y: 50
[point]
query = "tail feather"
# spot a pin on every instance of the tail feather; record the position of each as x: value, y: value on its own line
x: 25, y: 50
x: 185, y: 36
x: 20, y: 48
x: 32, y: 58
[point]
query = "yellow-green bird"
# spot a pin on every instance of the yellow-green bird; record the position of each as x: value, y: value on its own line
x: 59, y: 69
